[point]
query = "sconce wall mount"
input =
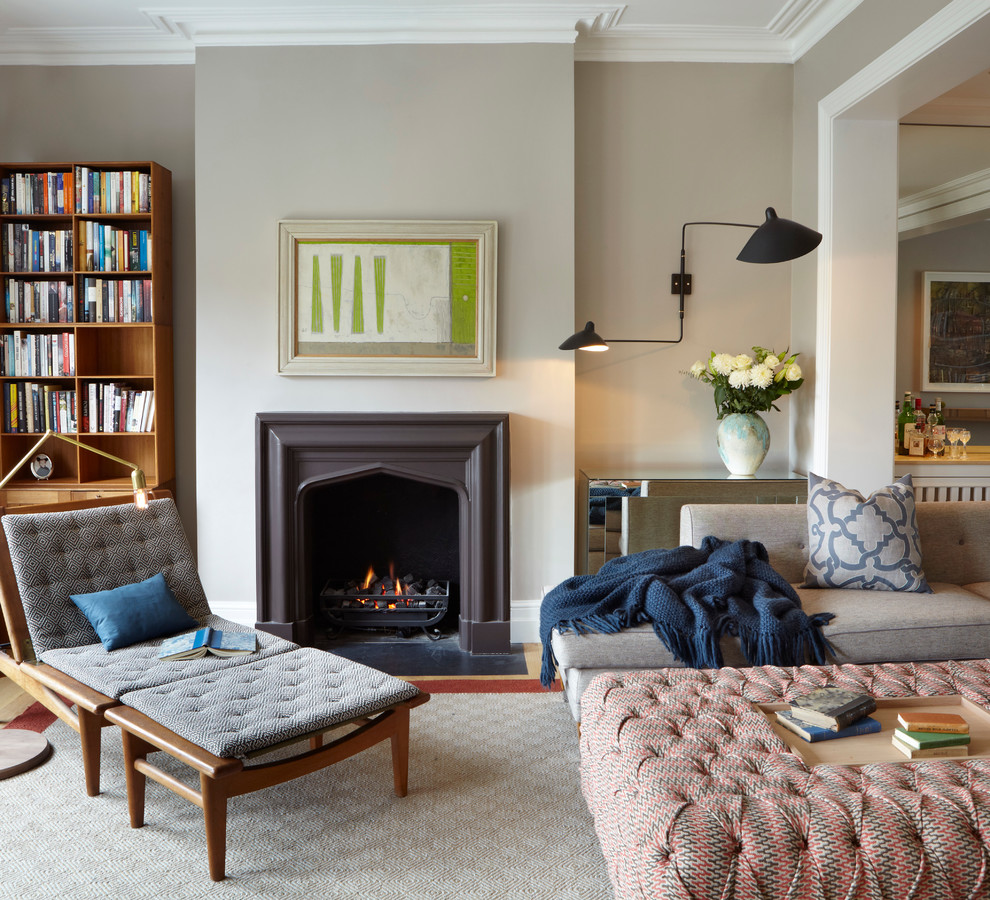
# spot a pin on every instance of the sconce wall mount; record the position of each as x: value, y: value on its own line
x: 775, y: 240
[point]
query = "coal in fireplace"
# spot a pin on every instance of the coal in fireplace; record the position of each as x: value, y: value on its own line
x: 423, y: 495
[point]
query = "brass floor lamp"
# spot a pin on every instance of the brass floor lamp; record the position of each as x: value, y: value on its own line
x: 21, y: 749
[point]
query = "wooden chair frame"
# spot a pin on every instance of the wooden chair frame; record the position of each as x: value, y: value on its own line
x: 221, y: 778
x: 56, y: 691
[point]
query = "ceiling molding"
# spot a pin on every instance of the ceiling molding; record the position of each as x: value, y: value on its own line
x: 173, y: 34
x: 394, y: 23
x: 93, y: 46
x: 796, y: 28
x: 957, y: 202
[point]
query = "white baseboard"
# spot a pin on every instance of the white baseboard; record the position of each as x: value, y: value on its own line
x: 524, y: 622
x: 243, y: 613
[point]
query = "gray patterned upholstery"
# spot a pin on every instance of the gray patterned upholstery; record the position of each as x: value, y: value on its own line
x: 863, y: 542
x: 56, y: 554
x: 259, y: 704
x: 138, y: 666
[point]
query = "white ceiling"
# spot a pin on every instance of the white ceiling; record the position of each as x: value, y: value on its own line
x: 102, y: 32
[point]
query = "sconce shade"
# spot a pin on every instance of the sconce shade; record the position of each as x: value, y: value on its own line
x: 585, y: 339
x: 778, y: 240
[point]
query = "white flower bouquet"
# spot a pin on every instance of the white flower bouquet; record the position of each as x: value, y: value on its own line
x: 748, y: 384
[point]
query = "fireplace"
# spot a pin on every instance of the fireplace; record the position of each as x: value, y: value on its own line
x: 335, y: 490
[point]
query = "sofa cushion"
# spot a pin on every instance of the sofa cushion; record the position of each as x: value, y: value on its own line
x: 863, y: 542
x: 880, y: 626
x: 134, y: 612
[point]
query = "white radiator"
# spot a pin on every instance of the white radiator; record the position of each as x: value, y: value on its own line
x: 951, y: 488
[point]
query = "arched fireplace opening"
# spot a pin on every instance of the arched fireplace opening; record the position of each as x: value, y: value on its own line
x: 381, y: 552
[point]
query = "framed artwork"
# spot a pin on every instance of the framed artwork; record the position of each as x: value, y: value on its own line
x: 386, y: 298
x: 956, y: 352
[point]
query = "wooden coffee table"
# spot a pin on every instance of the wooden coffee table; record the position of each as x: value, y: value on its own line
x: 873, y: 748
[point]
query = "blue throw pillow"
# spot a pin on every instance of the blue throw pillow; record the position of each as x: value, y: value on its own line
x: 134, y: 612
x: 863, y: 542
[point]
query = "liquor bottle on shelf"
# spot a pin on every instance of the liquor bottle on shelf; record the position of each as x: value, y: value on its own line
x: 914, y: 431
x: 897, y: 419
x: 905, y: 417
x: 931, y: 428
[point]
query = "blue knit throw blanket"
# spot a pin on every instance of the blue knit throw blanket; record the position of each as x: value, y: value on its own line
x: 693, y: 596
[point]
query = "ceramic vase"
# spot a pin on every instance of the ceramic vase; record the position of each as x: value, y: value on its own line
x: 743, y: 441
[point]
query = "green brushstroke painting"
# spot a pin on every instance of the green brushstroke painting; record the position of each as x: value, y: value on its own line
x: 336, y: 282
x: 380, y: 293
x: 464, y: 292
x: 357, y: 314
x: 316, y: 325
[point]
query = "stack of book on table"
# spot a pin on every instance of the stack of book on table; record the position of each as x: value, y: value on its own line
x: 828, y: 713
x: 923, y: 734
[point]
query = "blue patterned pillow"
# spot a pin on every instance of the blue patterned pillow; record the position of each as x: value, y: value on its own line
x: 857, y: 542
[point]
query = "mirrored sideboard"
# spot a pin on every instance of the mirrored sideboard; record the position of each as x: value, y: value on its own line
x: 640, y: 509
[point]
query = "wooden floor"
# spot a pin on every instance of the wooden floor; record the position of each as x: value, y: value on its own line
x: 13, y: 701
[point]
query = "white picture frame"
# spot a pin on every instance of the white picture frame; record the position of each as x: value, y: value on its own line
x: 384, y: 297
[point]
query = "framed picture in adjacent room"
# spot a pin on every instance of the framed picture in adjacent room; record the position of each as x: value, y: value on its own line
x: 956, y: 332
x: 386, y: 297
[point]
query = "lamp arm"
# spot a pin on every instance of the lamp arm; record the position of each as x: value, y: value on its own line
x: 137, y: 473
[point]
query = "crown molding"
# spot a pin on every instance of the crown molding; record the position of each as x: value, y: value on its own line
x: 957, y: 202
x: 173, y: 34
x: 796, y: 28
x: 93, y: 46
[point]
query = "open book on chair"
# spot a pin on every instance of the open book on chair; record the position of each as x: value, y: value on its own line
x: 195, y: 644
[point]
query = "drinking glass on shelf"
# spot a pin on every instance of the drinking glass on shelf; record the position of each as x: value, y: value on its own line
x: 936, y: 445
x: 952, y: 436
x: 964, y: 437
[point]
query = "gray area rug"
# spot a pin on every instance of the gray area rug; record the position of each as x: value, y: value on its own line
x: 494, y: 810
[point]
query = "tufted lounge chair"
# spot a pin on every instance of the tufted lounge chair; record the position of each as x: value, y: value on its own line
x: 215, y: 713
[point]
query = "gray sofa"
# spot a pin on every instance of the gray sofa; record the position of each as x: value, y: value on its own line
x: 869, y: 626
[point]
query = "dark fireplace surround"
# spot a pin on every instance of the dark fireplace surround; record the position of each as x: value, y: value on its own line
x: 301, y: 452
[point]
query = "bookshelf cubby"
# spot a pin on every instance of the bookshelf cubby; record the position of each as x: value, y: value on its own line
x: 86, y: 325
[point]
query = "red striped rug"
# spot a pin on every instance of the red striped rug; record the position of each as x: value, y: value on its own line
x: 34, y: 718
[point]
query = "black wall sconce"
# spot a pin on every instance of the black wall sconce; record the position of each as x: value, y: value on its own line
x: 776, y: 240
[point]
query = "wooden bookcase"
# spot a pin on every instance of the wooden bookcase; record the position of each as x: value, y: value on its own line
x: 115, y: 329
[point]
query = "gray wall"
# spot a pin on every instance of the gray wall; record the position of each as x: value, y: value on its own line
x: 397, y: 132
x: 658, y: 145
x: 59, y: 113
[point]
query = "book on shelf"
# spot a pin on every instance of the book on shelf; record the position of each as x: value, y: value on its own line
x: 926, y: 740
x: 832, y: 707
x: 37, y: 193
x: 812, y: 733
x: 28, y: 301
x: 196, y: 644
x: 939, y: 723
x: 928, y: 752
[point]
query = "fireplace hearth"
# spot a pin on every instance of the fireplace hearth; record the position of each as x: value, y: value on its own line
x: 425, y: 492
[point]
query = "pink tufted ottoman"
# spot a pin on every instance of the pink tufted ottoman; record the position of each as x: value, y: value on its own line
x: 695, y: 797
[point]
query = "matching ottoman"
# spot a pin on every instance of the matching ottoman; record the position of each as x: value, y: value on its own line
x: 695, y: 796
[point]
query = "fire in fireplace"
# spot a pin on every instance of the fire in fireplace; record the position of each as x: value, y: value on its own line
x: 403, y: 604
